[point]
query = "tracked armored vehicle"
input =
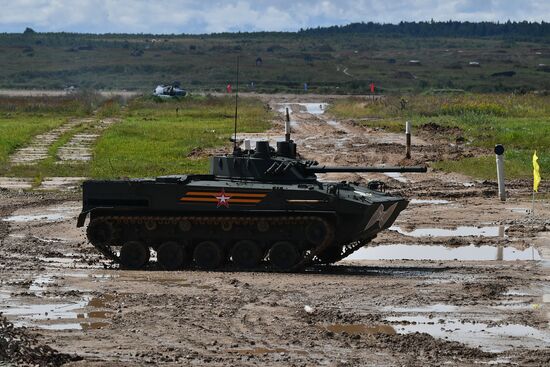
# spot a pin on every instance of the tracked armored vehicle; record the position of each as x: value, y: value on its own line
x: 258, y: 209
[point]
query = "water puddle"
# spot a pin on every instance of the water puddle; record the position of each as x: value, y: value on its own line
x: 438, y: 307
x: 360, y: 329
x: 429, y: 201
x: 396, y: 176
x: 520, y: 210
x: 62, y: 316
x: 37, y: 217
x: 40, y: 283
x: 491, y: 337
x: 258, y: 350
x: 462, y: 231
x: 52, y: 214
x: 314, y: 108
x: 427, y: 252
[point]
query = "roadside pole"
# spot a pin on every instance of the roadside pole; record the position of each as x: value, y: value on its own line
x: 408, y: 134
x: 499, y: 151
x: 287, y: 126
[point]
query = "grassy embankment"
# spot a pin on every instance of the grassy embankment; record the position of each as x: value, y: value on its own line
x: 155, y: 140
x: 520, y: 122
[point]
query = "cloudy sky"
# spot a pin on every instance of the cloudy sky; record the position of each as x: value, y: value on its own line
x: 207, y: 16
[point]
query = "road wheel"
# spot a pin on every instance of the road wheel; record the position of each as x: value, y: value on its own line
x: 316, y: 232
x: 171, y: 255
x: 246, y: 254
x: 100, y: 232
x: 283, y: 255
x: 208, y: 255
x: 134, y: 255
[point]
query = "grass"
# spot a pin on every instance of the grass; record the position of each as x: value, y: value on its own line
x: 520, y: 122
x: 152, y: 139
x: 16, y: 129
x: 155, y: 140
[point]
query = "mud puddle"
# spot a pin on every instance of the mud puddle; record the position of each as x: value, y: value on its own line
x: 491, y: 337
x: 396, y: 176
x: 360, y: 329
x: 314, y: 108
x: 462, y: 231
x: 48, y: 214
x: 264, y: 350
x: 434, y: 252
x: 429, y: 201
x: 86, y: 313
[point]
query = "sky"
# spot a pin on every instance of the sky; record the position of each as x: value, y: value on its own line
x: 210, y: 16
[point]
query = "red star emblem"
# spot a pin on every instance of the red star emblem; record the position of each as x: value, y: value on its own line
x: 223, y: 200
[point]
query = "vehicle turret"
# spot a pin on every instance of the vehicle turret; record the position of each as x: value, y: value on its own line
x: 267, y: 164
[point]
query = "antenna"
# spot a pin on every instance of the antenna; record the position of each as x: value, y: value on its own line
x: 236, y: 108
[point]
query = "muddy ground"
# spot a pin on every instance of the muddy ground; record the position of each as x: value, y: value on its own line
x: 460, y: 279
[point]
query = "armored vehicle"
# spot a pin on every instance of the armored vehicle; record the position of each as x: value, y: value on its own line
x: 259, y: 208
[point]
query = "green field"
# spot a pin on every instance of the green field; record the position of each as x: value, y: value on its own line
x: 151, y: 139
x: 330, y: 62
x: 520, y: 122
x: 155, y: 140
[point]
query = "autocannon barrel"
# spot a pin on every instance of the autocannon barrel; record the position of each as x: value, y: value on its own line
x: 325, y: 169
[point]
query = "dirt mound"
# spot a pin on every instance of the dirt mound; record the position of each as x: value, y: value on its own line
x: 16, y: 346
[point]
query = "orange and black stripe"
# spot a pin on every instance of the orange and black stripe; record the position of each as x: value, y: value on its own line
x: 233, y: 197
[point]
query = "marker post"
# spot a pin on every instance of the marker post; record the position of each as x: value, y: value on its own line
x: 499, y: 152
x: 408, y: 135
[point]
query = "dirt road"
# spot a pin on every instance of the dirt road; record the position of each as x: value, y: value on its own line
x: 457, y: 280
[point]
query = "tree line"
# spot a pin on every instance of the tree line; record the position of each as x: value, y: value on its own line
x: 449, y: 28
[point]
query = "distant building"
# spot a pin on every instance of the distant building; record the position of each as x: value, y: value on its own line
x: 415, y: 62
x: 474, y: 64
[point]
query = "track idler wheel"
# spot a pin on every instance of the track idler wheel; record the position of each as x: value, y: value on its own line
x: 331, y: 255
x: 208, y: 255
x: 134, y: 255
x: 246, y: 254
x: 100, y: 232
x: 283, y: 255
x: 171, y: 255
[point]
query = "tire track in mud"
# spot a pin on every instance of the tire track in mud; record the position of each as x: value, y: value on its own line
x: 38, y: 148
x: 77, y: 150
x: 79, y: 147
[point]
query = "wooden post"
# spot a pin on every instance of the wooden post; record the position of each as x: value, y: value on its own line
x: 408, y: 134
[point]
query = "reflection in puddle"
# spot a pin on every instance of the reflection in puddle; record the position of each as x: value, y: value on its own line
x: 463, y: 231
x: 428, y: 201
x: 488, y: 336
x: 427, y: 252
x: 358, y: 329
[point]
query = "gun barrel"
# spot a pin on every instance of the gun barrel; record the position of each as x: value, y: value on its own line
x: 325, y: 169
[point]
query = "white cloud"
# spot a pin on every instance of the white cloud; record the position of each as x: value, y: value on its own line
x: 185, y: 16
